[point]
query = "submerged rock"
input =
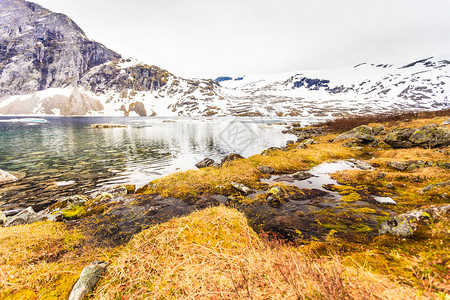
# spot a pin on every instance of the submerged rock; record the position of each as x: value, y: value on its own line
x: 206, y: 162
x: 302, y: 175
x: 407, y: 224
x: 6, y: 177
x: 88, y: 279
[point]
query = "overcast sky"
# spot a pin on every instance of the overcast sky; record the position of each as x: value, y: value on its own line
x: 208, y: 38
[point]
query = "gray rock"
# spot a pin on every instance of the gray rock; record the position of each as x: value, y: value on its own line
x: 290, y: 142
x: 407, y: 224
x: 26, y: 216
x: 306, y: 143
x: 378, y: 129
x: 360, y: 132
x: 429, y: 136
x: 362, y: 165
x: 302, y: 175
x: 207, y: 162
x: 446, y: 122
x: 402, y: 166
x: 88, y: 279
x: 230, y: 157
x: 120, y: 191
x: 266, y: 169
x: 242, y: 188
x: 5, y: 177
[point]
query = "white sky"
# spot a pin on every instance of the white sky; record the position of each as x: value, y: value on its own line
x: 208, y: 38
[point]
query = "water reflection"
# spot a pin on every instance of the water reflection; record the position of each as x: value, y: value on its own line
x: 69, y: 150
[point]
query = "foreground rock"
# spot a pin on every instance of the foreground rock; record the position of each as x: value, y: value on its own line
x: 430, y: 136
x: 5, y: 177
x: 88, y: 279
x: 242, y: 188
x: 407, y: 224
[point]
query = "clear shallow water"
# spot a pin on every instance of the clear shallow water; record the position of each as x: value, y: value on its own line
x: 65, y: 155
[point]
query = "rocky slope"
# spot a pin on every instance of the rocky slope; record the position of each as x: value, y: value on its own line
x: 49, y: 67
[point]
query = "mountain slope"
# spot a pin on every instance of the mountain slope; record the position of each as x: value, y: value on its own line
x: 49, y: 67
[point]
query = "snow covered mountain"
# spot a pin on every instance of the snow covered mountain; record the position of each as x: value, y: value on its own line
x: 49, y: 67
x: 364, y: 88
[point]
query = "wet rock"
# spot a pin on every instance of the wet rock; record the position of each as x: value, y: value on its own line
x: 5, y: 177
x: 429, y: 136
x: 230, y: 157
x: 302, y: 175
x: 207, y: 162
x: 26, y: 216
x: 407, y: 224
x: 2, y: 218
x: 290, y: 142
x: 242, y: 188
x: 435, y: 186
x: 88, y: 279
x: 402, y: 166
x: 266, y: 169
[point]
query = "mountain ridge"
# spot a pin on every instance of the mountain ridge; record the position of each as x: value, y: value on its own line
x: 49, y: 67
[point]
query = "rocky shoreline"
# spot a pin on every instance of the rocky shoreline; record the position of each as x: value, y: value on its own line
x: 281, y: 206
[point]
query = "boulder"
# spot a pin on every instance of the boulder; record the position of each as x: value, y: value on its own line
x: 429, y: 136
x: 88, y: 279
x: 399, y: 138
x: 360, y: 132
x: 5, y: 177
x: 266, y: 169
x: 306, y: 143
x: 230, y: 157
x: 26, y: 216
x: 378, y: 130
x: 242, y: 188
x: 407, y: 224
x: 207, y: 162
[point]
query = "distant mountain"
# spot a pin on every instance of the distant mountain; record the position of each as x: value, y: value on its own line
x: 49, y: 67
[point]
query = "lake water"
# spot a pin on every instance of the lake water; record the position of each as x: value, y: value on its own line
x: 65, y: 156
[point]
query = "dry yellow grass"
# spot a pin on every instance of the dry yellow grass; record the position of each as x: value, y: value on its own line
x: 193, y: 183
x: 40, y: 261
x: 213, y: 254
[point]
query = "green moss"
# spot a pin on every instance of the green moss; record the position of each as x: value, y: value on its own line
x: 352, y: 197
x: 74, y: 213
x: 361, y: 228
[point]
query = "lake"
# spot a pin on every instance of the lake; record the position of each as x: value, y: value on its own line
x: 65, y: 155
